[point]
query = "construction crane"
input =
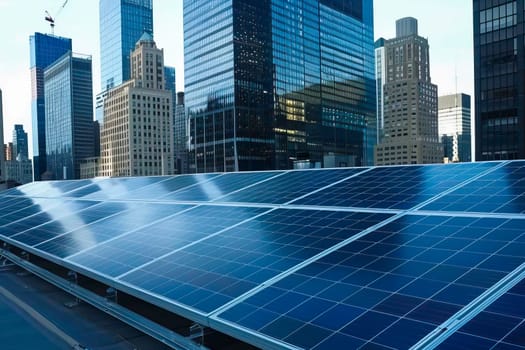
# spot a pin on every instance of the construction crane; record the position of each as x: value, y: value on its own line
x: 52, y: 19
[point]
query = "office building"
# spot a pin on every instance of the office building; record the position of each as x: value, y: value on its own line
x: 19, y: 172
x: 44, y: 50
x: 69, y: 115
x: 380, y: 79
x: 122, y: 23
x: 454, y: 127
x: 499, y: 86
x: 137, y: 133
x: 181, y: 136
x: 410, y: 133
x: 2, y: 154
x: 279, y: 84
x: 8, y: 151
x: 20, y: 146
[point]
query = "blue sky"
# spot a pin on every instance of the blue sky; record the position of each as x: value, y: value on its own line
x: 446, y: 23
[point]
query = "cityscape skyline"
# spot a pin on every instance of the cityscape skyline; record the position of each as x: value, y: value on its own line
x: 451, y: 46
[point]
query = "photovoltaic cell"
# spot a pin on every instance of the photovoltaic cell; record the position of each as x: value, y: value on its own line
x: 68, y: 223
x: 219, y: 186
x: 389, y: 288
x: 53, y: 189
x: 206, y: 275
x: 107, y: 188
x: 395, y: 187
x: 24, y: 208
x: 148, y: 243
x: 290, y: 186
x: 499, y: 326
x: 132, y: 217
x: 501, y: 191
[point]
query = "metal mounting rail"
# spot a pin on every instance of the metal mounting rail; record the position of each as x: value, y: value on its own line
x: 162, y: 334
x: 447, y: 328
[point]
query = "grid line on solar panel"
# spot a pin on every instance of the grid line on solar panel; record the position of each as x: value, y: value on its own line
x: 134, y: 250
x: 501, y: 325
x: 45, y: 215
x: 111, y: 188
x: 220, y: 186
x: 47, y: 188
x: 134, y: 216
x: 24, y: 209
x: 473, y: 309
x: 221, y: 268
x: 405, y: 279
x: 291, y: 185
x: 500, y: 191
x: 50, y: 230
x: 397, y: 187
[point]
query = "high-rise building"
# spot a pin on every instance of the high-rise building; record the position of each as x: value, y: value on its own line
x: 44, y: 50
x: 454, y: 127
x: 2, y: 154
x: 181, y: 135
x: 499, y: 84
x: 410, y: 133
x: 277, y: 84
x: 137, y: 133
x: 69, y: 115
x: 380, y: 80
x: 8, y: 151
x: 20, y: 146
x: 122, y: 23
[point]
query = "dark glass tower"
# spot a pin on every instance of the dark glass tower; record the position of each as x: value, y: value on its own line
x: 122, y: 23
x: 499, y: 71
x: 69, y: 115
x: 44, y: 50
x: 20, y: 148
x: 279, y: 84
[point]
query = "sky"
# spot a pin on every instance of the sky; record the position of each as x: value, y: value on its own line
x: 447, y: 24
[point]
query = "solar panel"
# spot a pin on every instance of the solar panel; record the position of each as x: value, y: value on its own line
x: 345, y: 258
x: 501, y: 191
x: 379, y: 289
x: 67, y: 223
x: 132, y: 216
x: 214, y: 271
x: 395, y: 187
x: 499, y: 326
x: 290, y: 185
x: 219, y: 186
x: 148, y: 243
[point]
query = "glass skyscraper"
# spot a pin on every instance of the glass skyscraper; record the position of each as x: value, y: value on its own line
x: 20, y: 148
x: 279, y: 84
x: 499, y: 85
x: 44, y: 50
x: 122, y: 23
x: 69, y: 115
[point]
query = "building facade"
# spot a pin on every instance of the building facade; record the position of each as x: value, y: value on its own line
x: 410, y: 133
x: 137, y: 133
x: 454, y: 127
x: 2, y: 155
x: 19, y: 172
x: 44, y: 51
x: 20, y: 143
x: 499, y: 86
x: 181, y: 136
x: 273, y: 84
x: 69, y: 115
x: 380, y: 80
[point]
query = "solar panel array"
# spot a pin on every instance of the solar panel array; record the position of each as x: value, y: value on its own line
x: 381, y: 257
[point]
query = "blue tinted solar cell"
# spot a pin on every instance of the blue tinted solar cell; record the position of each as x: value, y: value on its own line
x: 291, y: 185
x: 500, y: 191
x: 267, y: 245
x: 105, y: 188
x: 420, y: 291
x: 380, y: 187
x: 50, y: 189
x: 133, y: 217
x: 219, y: 186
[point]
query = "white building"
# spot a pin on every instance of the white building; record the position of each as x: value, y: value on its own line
x: 454, y: 120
